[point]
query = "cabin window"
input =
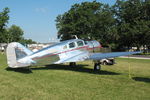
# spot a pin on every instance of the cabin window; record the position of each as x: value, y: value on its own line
x: 80, y: 43
x: 65, y: 47
x: 71, y: 45
x: 85, y: 42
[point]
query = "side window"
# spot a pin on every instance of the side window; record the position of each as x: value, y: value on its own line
x: 71, y: 45
x: 85, y: 42
x: 65, y: 47
x: 80, y: 43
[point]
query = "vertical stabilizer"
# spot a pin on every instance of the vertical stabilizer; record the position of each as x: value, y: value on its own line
x: 16, y: 51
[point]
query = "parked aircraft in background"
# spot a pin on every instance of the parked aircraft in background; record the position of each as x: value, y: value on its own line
x: 71, y: 51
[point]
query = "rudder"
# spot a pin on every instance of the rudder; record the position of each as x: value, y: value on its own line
x: 16, y: 51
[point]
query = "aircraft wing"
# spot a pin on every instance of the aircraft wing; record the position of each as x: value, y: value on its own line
x: 98, y: 56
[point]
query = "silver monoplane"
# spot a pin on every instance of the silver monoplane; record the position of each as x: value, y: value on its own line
x: 71, y: 51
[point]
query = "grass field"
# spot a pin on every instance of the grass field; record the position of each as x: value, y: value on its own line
x: 60, y: 82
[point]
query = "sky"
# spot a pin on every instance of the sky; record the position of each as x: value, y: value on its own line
x: 37, y: 17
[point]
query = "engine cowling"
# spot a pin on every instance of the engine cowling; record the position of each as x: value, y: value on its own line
x: 94, y: 46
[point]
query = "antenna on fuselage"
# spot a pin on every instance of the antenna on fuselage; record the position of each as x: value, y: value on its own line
x: 89, y: 37
x: 76, y: 37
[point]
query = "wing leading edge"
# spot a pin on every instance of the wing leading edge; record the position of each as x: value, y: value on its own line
x: 98, y: 56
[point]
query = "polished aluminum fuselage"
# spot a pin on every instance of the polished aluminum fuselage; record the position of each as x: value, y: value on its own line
x: 60, y: 53
x: 67, y: 51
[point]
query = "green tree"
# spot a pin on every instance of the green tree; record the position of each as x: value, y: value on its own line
x: 133, y: 26
x: 27, y: 41
x: 125, y: 24
x: 88, y: 19
x: 14, y: 34
x: 3, y: 21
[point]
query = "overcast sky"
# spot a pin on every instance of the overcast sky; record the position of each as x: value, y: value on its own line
x: 37, y: 17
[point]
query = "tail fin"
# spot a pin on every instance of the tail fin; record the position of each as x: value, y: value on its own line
x: 16, y: 51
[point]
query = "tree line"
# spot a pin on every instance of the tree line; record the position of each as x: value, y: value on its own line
x: 13, y: 33
x: 122, y: 25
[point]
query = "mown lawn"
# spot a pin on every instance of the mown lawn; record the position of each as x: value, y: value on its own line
x: 60, y: 82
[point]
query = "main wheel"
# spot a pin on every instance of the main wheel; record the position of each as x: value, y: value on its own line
x: 97, y: 67
x: 72, y: 64
x: 105, y: 63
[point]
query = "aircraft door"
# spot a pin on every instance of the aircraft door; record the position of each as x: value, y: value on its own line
x: 71, y: 50
x: 63, y: 55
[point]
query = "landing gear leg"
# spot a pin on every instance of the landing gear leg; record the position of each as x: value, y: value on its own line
x: 97, y: 66
x: 72, y: 64
x: 29, y: 69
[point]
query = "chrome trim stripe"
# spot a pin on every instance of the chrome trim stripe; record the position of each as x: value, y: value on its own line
x: 58, y: 53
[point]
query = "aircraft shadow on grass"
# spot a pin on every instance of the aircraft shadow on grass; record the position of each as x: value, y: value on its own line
x: 142, y: 79
x: 20, y: 70
x: 78, y: 68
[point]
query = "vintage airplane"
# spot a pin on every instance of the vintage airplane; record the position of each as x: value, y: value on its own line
x: 71, y: 51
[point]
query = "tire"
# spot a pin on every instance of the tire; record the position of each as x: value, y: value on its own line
x: 97, y: 67
x: 72, y: 64
x: 105, y: 63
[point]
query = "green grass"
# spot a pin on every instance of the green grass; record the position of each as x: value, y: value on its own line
x: 60, y: 82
